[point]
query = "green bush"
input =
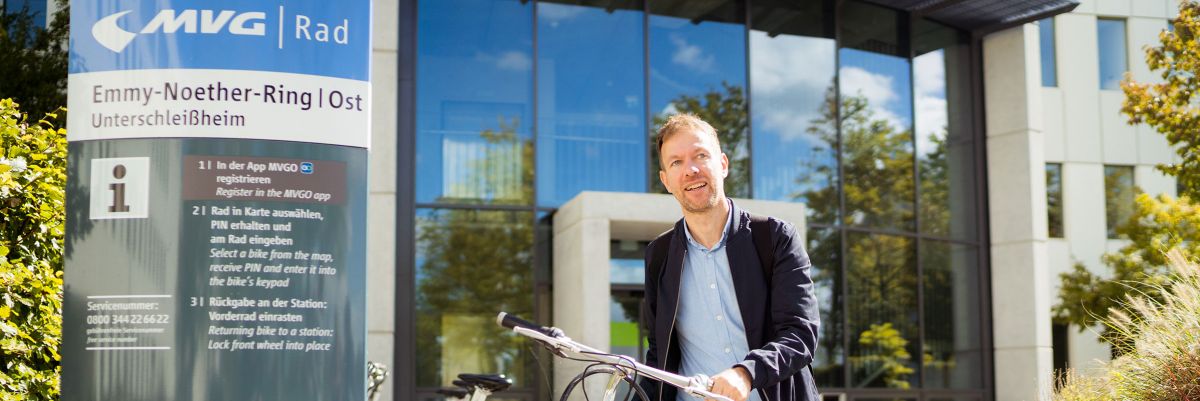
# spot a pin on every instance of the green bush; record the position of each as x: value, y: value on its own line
x: 1164, y: 361
x: 32, y: 215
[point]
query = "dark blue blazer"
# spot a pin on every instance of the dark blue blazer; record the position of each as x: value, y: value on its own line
x: 781, y: 317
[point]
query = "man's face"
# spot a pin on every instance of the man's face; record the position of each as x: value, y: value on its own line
x: 694, y: 169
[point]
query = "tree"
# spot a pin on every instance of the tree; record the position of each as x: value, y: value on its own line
x: 32, y: 216
x: 33, y: 70
x: 726, y: 112
x: 1138, y: 268
x: 883, y: 284
x: 1157, y: 224
x: 476, y: 262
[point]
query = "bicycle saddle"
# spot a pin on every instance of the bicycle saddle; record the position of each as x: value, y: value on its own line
x: 463, y: 384
x: 491, y: 383
x: 453, y: 392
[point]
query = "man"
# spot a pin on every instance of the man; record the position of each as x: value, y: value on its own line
x: 709, y: 307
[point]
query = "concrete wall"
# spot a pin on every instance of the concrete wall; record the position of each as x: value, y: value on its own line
x: 1084, y: 131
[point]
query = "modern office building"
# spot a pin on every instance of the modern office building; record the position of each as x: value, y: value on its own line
x: 947, y: 159
x: 1093, y: 158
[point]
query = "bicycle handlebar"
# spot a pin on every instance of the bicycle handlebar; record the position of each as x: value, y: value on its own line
x: 509, y: 321
x: 553, y: 337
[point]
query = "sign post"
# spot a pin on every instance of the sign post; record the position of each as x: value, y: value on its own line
x: 217, y: 200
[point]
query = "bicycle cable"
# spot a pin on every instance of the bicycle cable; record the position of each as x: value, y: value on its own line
x: 545, y: 376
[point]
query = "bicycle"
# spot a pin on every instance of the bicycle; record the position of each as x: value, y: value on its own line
x: 621, y: 368
x: 476, y: 386
x: 377, y: 373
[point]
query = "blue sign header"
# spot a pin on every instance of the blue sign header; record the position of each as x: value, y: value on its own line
x: 325, y: 38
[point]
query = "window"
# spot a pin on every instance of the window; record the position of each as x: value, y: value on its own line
x: 1110, y: 36
x: 1054, y: 220
x: 793, y: 67
x: 475, y: 102
x: 590, y: 100
x: 1118, y: 197
x: 34, y: 8
x: 876, y: 119
x: 1049, y: 62
x: 468, y: 258
x: 1059, y: 342
x: 942, y: 126
x: 953, y: 350
x: 698, y: 65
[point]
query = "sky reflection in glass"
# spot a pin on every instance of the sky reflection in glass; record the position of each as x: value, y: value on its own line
x: 474, y: 101
x: 693, y: 68
x: 876, y: 117
x: 591, y: 110
x: 1110, y: 36
x: 795, y: 134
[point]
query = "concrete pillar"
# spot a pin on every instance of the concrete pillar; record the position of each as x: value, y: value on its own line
x: 381, y: 203
x: 1021, y: 298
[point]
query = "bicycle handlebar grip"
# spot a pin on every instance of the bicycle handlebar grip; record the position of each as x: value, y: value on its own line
x: 510, y: 321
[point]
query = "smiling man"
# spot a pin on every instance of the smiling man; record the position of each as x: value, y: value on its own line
x: 728, y: 293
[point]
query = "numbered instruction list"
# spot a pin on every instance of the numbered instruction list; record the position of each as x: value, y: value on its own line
x: 260, y: 277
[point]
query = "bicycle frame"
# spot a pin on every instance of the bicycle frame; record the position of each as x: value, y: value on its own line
x: 622, y: 366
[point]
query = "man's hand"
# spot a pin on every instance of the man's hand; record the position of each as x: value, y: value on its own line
x: 733, y: 383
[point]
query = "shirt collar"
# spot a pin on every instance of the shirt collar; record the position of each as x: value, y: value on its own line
x: 724, y: 231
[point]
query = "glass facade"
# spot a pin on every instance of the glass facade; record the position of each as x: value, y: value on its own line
x: 860, y: 112
x: 1110, y: 38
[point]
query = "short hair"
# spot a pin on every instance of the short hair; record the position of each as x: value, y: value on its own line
x: 681, y: 121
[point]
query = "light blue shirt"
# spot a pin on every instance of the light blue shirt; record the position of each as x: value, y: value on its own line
x: 710, y: 330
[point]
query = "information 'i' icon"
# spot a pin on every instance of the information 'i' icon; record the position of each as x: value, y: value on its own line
x: 120, y: 188
x: 118, y: 191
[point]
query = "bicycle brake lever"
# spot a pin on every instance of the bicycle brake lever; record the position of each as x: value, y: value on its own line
x: 699, y: 386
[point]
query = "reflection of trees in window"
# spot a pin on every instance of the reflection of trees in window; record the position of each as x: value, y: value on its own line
x: 1054, y: 212
x: 935, y: 186
x: 882, y: 269
x: 498, y: 170
x: 474, y: 263
x: 822, y: 201
x: 824, y: 249
x: 951, y: 342
x: 939, y: 349
x: 1119, y: 196
x: 726, y: 112
x: 882, y: 310
x: 875, y: 154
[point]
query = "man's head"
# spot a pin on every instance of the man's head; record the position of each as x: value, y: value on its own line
x: 692, y: 166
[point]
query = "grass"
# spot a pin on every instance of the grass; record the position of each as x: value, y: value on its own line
x: 1163, y: 363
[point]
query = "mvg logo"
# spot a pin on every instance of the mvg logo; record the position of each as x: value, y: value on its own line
x: 113, y: 37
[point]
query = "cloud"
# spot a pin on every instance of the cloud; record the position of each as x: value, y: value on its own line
x: 511, y: 60
x: 555, y: 13
x: 514, y: 60
x: 929, y: 82
x: 791, y: 73
x: 878, y: 89
x: 691, y: 56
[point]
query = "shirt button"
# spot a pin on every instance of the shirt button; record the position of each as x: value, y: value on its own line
x: 713, y: 285
x: 727, y: 350
x: 719, y: 317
